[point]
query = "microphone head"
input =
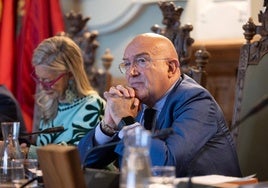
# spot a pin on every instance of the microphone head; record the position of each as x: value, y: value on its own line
x: 53, y: 130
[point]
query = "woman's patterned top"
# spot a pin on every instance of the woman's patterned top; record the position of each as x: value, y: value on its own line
x: 77, y: 119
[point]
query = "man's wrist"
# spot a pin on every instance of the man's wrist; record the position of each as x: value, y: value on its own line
x: 110, y: 131
x: 107, y: 130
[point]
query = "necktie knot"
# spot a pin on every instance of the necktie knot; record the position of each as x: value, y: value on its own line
x: 149, y: 115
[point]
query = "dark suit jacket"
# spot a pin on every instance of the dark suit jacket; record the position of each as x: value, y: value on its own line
x: 201, y: 144
x: 10, y: 110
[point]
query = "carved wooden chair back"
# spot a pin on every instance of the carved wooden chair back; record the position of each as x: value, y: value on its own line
x: 249, y: 124
x: 76, y: 29
x: 180, y: 37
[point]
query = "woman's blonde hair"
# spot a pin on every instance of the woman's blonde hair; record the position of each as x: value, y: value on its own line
x: 60, y: 53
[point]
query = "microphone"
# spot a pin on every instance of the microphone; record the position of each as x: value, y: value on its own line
x: 160, y: 134
x: 45, y: 131
x: 259, y: 106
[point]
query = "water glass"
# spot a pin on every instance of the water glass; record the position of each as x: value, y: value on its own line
x: 136, y: 164
x: 30, y: 167
x: 162, y: 177
x: 30, y: 170
x: 17, y: 171
x: 11, y: 173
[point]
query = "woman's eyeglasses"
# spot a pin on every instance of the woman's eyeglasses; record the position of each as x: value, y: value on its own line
x: 47, y: 84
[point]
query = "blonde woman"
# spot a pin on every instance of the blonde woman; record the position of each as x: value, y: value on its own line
x: 65, y: 96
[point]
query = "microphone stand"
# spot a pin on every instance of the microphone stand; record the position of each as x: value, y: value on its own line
x: 256, y: 108
x: 45, y: 131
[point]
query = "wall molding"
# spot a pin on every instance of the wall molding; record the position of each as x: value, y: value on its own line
x: 124, y: 17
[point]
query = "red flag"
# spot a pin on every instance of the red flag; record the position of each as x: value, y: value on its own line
x: 7, y: 42
x: 42, y: 19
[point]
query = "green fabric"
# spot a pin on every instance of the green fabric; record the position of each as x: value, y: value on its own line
x: 77, y: 119
x: 253, y: 133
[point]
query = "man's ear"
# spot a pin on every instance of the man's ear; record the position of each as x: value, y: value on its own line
x: 173, y: 66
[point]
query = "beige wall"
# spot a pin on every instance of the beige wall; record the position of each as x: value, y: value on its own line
x: 119, y: 20
x: 117, y: 26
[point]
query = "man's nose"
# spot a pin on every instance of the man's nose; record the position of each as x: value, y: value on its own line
x: 133, y: 70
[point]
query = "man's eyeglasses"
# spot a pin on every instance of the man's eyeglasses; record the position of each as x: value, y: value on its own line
x: 47, y: 84
x: 138, y: 62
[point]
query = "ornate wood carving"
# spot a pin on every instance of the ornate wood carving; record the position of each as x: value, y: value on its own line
x: 180, y: 37
x: 250, y: 54
x: 87, y: 40
x: 198, y: 72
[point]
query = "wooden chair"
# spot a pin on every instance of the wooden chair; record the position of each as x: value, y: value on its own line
x: 76, y: 29
x: 249, y: 124
x: 180, y: 37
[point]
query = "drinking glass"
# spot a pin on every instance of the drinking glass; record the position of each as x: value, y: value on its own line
x: 162, y: 177
x: 30, y: 167
x: 136, y: 163
x: 10, y: 169
x: 30, y: 172
x: 17, y: 173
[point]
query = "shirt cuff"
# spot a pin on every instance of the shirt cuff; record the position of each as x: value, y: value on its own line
x: 100, y: 137
x: 126, y: 128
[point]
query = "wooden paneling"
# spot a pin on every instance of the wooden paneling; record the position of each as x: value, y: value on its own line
x: 221, y: 71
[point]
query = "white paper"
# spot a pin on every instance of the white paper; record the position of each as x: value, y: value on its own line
x: 213, y: 179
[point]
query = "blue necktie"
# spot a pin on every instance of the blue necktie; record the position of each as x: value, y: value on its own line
x: 148, y: 117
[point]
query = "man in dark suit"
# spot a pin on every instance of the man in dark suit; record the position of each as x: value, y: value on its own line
x: 10, y: 111
x: 201, y: 143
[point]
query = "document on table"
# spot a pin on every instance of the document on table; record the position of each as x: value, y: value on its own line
x: 214, y: 179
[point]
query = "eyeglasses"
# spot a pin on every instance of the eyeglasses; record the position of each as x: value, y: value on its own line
x: 138, y: 62
x: 47, y: 85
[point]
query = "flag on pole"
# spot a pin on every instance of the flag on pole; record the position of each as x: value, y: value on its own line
x: 8, y: 43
